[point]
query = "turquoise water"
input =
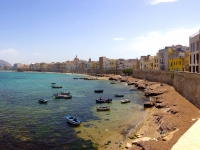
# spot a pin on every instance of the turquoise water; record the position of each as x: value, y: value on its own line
x: 25, y: 123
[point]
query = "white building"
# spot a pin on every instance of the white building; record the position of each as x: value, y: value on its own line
x: 194, y: 52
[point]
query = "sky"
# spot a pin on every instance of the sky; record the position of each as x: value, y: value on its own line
x: 57, y: 30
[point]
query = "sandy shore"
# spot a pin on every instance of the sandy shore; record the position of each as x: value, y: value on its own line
x: 169, y: 117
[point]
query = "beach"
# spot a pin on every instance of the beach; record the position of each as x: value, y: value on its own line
x: 169, y: 117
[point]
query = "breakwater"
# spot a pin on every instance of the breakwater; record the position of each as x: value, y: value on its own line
x: 186, y: 83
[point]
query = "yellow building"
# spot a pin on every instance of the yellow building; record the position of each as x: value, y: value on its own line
x: 94, y: 65
x: 178, y: 58
x: 113, y: 64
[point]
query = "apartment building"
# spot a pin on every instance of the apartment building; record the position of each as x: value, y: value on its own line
x: 102, y: 62
x: 155, y: 62
x: 178, y: 58
x: 146, y: 62
x: 194, y: 41
x: 163, y: 59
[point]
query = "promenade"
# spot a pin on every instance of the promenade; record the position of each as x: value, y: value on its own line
x: 190, y: 140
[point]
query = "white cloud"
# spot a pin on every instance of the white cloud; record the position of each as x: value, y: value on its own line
x: 10, y: 51
x: 10, y: 55
x: 151, y: 42
x: 154, y: 2
x: 118, y: 39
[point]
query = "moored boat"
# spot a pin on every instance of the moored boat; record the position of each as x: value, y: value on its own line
x: 56, y: 86
x: 103, y: 108
x: 103, y: 100
x: 43, y: 101
x: 98, y: 91
x: 62, y: 93
x: 119, y: 95
x: 125, y: 101
x: 73, y: 120
x: 60, y: 96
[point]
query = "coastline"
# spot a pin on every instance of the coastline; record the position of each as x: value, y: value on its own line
x: 170, y: 116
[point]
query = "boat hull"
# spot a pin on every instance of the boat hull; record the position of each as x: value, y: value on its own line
x: 73, y: 120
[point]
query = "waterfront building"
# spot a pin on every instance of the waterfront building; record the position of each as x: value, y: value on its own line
x: 136, y: 64
x: 113, y: 64
x: 34, y: 67
x: 16, y: 66
x: 50, y: 66
x: 88, y: 65
x: 75, y: 62
x: 178, y: 58
x: 163, y: 59
x: 155, y: 62
x: 23, y: 67
x: 94, y: 65
x: 43, y: 66
x: 194, y: 41
x: 102, y: 62
x: 146, y: 62
x: 120, y: 64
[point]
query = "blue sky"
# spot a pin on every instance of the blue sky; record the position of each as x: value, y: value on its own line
x: 58, y: 30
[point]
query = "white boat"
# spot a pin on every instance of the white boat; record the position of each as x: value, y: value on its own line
x: 125, y: 101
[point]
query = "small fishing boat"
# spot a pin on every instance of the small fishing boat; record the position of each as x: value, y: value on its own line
x: 59, y: 96
x: 119, y: 95
x: 125, y: 101
x: 73, y: 120
x: 103, y: 108
x: 62, y: 93
x: 103, y: 100
x: 98, y: 91
x: 56, y: 86
x: 53, y: 83
x: 43, y: 101
x: 75, y: 78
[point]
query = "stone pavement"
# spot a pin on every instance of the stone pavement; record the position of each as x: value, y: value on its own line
x: 190, y: 140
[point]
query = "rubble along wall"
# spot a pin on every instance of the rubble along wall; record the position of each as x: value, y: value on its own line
x: 185, y: 83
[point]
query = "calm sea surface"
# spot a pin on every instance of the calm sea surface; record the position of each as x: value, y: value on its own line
x: 26, y: 124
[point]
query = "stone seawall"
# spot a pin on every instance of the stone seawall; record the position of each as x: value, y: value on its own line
x: 187, y: 84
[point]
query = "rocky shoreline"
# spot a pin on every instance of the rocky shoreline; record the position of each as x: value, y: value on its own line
x: 170, y: 116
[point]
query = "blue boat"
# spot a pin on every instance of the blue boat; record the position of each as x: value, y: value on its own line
x: 103, y: 100
x: 73, y: 120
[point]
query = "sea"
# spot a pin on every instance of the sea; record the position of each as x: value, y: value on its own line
x: 27, y: 124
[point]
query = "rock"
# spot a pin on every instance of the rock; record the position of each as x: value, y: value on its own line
x: 128, y: 145
x: 160, y: 105
x: 141, y: 139
x: 148, y: 104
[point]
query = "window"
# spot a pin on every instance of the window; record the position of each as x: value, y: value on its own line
x: 197, y: 45
x: 194, y: 58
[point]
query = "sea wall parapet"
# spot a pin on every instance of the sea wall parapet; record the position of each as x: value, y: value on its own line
x: 186, y: 83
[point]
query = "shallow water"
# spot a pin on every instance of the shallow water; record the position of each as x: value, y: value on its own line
x: 26, y: 122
